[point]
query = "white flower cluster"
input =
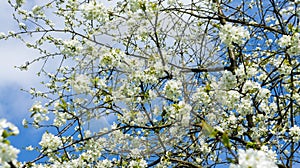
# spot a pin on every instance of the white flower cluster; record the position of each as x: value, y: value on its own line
x: 92, y: 148
x: 93, y: 10
x: 181, y: 112
x: 269, y: 153
x: 295, y: 133
x: 111, y: 58
x: 7, y: 125
x: 284, y: 67
x: 135, y: 5
x: 39, y: 113
x: 81, y: 83
x: 134, y: 163
x: 7, y: 152
x: 50, y: 142
x: 2, y: 35
x: 172, y: 89
x: 291, y: 42
x: 38, y: 11
x: 60, y: 118
x: 228, y: 80
x: 104, y: 163
x: 71, y: 47
x: 229, y: 34
x: 148, y: 75
x: 251, y: 86
x: 254, y: 159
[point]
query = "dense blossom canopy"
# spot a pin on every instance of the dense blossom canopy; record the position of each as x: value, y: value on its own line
x: 206, y: 83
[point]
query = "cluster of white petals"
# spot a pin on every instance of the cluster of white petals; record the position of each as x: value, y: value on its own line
x: 233, y: 34
x: 172, y: 89
x: 141, y: 163
x: 50, y: 142
x: 111, y: 57
x: 254, y: 159
x: 39, y: 113
x: 81, y: 83
x: 93, y: 10
x: 4, y: 124
x: 295, y: 133
x: 71, y: 47
x: 291, y: 42
x: 181, y: 113
x: 2, y: 35
x: 8, y: 153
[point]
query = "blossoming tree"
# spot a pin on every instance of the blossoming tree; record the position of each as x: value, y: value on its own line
x: 197, y: 83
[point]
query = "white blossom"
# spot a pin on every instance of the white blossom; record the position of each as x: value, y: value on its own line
x: 94, y: 10
x: 81, y: 83
x: 227, y: 81
x: 104, y: 163
x: 29, y: 148
x: 172, y: 89
x: 39, y: 113
x: 233, y: 34
x: 50, y: 142
x: 254, y: 159
x: 7, y: 125
x: 2, y: 35
x: 7, y: 153
x: 111, y: 57
x: 71, y: 47
x: 134, y: 163
x: 184, y: 110
x: 292, y: 42
x: 295, y: 133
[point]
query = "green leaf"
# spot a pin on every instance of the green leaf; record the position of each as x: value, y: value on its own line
x: 5, y: 134
x: 207, y: 88
x: 20, y: 2
x: 209, y: 130
x: 225, y: 140
x: 290, y: 27
x: 5, y: 141
x: 63, y: 104
x: 250, y: 145
x: 142, y: 6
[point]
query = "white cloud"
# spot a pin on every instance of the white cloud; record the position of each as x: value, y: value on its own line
x: 13, y: 53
